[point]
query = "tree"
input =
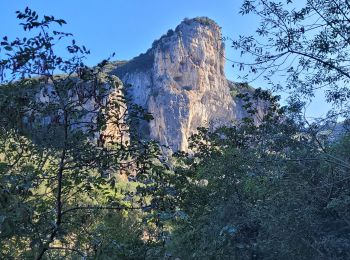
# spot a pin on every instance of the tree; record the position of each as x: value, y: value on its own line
x: 263, y: 192
x: 303, y: 44
x: 66, y: 135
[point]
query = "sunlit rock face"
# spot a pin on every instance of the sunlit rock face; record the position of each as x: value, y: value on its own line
x: 181, y: 81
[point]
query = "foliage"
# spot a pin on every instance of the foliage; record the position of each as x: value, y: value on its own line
x: 202, y: 20
x: 275, y: 188
x: 65, y: 140
x: 272, y: 186
x: 300, y: 47
x: 263, y: 192
x: 143, y: 62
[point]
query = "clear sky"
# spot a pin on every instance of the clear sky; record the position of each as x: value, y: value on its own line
x: 128, y: 27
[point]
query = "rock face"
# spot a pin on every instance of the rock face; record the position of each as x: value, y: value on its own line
x: 181, y: 81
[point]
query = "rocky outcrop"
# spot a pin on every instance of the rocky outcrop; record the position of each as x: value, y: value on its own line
x: 181, y: 81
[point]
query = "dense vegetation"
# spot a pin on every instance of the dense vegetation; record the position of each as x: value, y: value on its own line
x: 78, y: 182
x: 267, y: 192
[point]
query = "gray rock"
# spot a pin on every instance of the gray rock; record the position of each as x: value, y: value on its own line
x: 181, y: 81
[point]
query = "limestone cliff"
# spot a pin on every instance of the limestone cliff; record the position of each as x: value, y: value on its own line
x: 181, y: 81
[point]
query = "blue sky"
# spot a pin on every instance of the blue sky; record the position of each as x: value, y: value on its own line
x: 128, y: 27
